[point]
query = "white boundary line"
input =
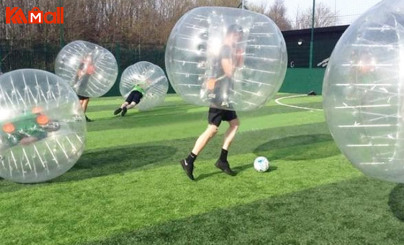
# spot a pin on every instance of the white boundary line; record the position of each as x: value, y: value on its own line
x: 294, y: 106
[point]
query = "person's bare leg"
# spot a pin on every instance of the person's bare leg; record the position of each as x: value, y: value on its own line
x: 204, y: 138
x: 127, y: 107
x: 84, y: 104
x: 119, y: 110
x: 188, y: 163
x: 230, y: 133
x: 222, y: 162
x: 131, y: 105
x: 124, y: 104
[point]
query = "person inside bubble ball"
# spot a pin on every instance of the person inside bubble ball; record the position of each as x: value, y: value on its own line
x: 132, y: 100
x: 86, y: 69
x: 229, y: 59
x: 220, y: 84
x: 28, y: 127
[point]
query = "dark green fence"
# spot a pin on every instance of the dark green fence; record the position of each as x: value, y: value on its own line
x: 298, y: 45
x: 299, y: 78
x: 23, y: 54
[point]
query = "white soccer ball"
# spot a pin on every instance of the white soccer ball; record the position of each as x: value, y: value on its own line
x: 261, y: 164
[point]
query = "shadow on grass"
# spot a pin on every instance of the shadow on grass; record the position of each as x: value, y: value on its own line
x: 299, y: 147
x: 396, y: 201
x: 115, y: 160
x: 347, y: 212
x: 120, y: 159
x: 237, y: 169
x: 164, y: 115
x: 103, y: 162
x: 115, y: 103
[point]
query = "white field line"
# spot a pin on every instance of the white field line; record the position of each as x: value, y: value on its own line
x: 295, y: 106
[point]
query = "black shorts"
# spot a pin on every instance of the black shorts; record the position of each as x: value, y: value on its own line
x: 82, y: 97
x: 134, y: 96
x: 216, y: 116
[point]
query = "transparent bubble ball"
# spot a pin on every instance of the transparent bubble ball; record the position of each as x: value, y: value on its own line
x: 90, y: 69
x: 206, y: 36
x: 42, y: 132
x: 148, y: 76
x: 364, y: 92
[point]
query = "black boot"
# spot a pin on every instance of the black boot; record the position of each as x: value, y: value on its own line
x: 117, y: 111
x: 225, y: 167
x: 188, y: 168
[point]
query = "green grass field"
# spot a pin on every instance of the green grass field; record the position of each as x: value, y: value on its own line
x: 128, y: 186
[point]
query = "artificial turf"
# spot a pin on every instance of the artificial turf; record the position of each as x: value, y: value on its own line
x: 128, y: 187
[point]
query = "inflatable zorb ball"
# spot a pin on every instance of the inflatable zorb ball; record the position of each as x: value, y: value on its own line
x: 249, y: 44
x: 91, y: 70
x: 364, y: 92
x: 151, y: 78
x: 42, y: 132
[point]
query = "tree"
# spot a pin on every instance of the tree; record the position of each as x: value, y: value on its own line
x: 323, y: 17
x: 259, y: 8
x: 277, y: 12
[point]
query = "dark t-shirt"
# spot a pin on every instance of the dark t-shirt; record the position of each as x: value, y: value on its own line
x: 82, y: 81
x: 225, y: 53
x: 224, y: 85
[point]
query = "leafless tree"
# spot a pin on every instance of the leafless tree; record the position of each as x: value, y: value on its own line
x: 277, y: 12
x: 114, y: 24
x: 136, y: 21
x: 323, y: 17
x: 260, y: 8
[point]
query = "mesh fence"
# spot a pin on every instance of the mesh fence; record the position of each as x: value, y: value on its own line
x: 24, y: 54
x: 298, y: 46
x: 16, y: 54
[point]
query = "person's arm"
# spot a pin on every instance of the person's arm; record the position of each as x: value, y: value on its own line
x: 227, y: 62
x: 28, y: 140
x: 90, y: 69
x: 79, y: 72
x: 228, y: 67
x: 239, y: 57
